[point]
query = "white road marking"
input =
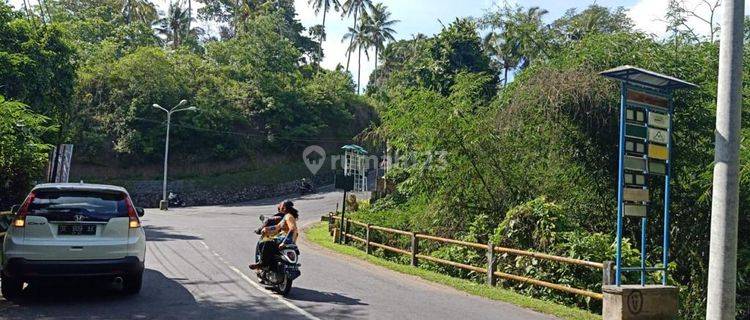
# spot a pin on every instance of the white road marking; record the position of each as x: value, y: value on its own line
x: 261, y: 288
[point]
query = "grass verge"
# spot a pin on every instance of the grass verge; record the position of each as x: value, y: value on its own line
x: 318, y: 234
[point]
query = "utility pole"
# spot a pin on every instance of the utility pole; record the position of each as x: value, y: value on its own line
x: 722, y: 262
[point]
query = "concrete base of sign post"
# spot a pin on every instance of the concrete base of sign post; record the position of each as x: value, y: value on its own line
x: 163, y: 205
x: 630, y: 302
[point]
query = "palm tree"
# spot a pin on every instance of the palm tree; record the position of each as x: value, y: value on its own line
x: 527, y: 27
x: 324, y: 5
x: 504, y: 49
x: 190, y: 13
x: 42, y: 9
x: 143, y: 10
x: 174, y: 26
x: 358, y: 40
x: 521, y: 37
x: 379, y: 28
x: 354, y: 7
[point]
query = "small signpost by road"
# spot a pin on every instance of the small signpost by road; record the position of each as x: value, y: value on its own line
x: 346, y: 183
x: 645, y: 149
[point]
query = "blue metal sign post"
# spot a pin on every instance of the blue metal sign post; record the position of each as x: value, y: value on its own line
x: 645, y: 150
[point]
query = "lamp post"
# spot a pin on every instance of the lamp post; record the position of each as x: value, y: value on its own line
x: 163, y: 204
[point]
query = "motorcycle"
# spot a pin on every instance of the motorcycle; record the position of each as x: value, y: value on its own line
x: 306, y: 188
x: 284, y: 268
x: 174, y: 200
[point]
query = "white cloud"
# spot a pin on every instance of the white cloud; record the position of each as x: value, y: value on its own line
x: 649, y: 15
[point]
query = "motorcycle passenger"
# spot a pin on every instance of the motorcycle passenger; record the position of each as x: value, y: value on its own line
x: 273, y: 220
x: 285, y: 232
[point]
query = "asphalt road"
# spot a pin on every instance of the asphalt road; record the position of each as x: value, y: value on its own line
x: 197, y: 269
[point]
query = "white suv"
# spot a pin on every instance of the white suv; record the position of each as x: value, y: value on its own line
x: 74, y: 230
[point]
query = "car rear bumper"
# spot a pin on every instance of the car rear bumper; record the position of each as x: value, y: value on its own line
x: 28, y: 269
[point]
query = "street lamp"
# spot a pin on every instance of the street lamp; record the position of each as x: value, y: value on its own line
x: 163, y: 204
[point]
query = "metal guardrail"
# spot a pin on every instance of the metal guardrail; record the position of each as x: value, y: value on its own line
x: 492, y: 274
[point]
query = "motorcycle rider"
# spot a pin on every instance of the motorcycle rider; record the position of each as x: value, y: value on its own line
x: 285, y: 232
x: 305, y: 186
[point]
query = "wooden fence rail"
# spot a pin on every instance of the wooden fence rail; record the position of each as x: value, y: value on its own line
x: 491, y: 250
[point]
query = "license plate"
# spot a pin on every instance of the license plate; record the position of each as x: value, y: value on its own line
x: 76, y: 229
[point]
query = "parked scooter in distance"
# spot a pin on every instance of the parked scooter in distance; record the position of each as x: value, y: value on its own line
x: 305, y: 187
x: 284, y: 267
x: 175, y: 201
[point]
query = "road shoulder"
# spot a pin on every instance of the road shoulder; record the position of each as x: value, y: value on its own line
x: 316, y: 234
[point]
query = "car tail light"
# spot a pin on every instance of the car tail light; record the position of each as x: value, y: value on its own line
x: 20, y: 220
x: 132, y: 214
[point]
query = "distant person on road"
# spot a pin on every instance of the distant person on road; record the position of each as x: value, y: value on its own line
x: 282, y: 233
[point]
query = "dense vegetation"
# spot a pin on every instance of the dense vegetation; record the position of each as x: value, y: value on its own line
x: 528, y: 126
x: 532, y: 162
x: 93, y: 69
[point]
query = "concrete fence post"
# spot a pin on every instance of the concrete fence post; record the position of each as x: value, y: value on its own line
x: 336, y: 235
x: 490, y: 264
x: 608, y: 273
x: 414, y: 249
x: 367, y: 239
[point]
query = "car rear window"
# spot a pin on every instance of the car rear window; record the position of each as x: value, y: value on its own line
x: 78, y: 205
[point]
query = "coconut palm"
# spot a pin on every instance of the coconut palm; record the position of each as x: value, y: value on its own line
x: 378, y: 28
x: 174, y: 26
x: 504, y: 50
x: 142, y: 10
x: 519, y: 36
x: 358, y: 40
x: 356, y: 8
x: 323, y: 5
x: 42, y: 9
x: 529, y: 31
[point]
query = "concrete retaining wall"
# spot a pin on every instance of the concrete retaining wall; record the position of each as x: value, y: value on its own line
x: 148, y: 193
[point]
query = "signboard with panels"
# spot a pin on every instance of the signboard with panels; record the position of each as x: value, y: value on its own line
x: 636, y: 131
x: 658, y: 136
x: 645, y: 148
x: 635, y: 146
x: 656, y: 151
x: 635, y: 210
x: 635, y: 179
x: 658, y: 120
x: 635, y: 163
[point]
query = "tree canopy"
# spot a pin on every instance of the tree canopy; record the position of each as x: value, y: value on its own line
x: 532, y: 163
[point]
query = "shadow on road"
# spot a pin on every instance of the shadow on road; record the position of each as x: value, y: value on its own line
x: 302, y: 294
x: 161, y: 298
x: 154, y: 233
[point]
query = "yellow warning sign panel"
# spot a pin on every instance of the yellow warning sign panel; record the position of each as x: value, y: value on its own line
x: 656, y: 151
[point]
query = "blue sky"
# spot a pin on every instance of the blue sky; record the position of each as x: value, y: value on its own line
x: 418, y: 16
x: 424, y: 16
